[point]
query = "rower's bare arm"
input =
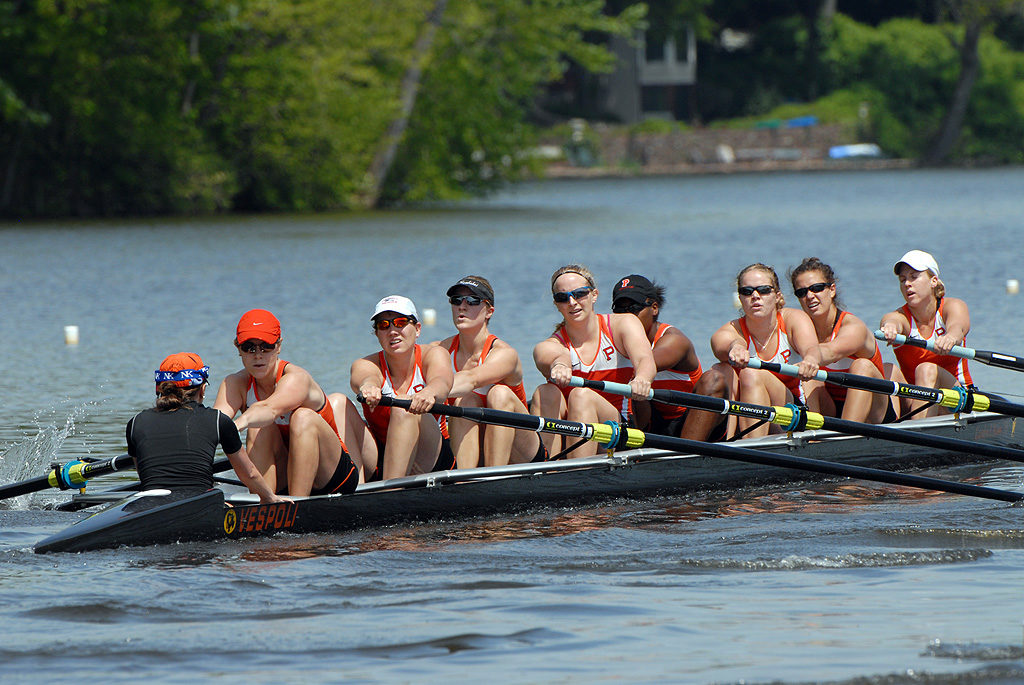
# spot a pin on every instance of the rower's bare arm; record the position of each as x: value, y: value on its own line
x: 230, y: 395
x: 251, y: 478
x: 500, y: 363
x: 630, y: 333
x: 958, y: 323
x: 290, y: 394
x: 675, y: 351
x: 366, y: 379
x: 893, y: 324
x: 805, y: 340
x: 853, y: 339
x: 553, y: 361
x: 437, y: 372
x: 729, y: 346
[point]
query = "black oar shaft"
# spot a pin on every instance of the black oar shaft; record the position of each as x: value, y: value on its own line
x: 636, y: 438
x: 75, y: 475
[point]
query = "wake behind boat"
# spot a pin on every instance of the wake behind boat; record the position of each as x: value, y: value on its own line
x: 149, y: 518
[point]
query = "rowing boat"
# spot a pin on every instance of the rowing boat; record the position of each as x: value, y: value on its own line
x: 161, y: 517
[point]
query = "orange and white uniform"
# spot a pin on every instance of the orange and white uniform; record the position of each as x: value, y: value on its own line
x: 282, y: 422
x: 785, y: 354
x: 670, y: 379
x: 519, y: 389
x: 609, y: 364
x: 837, y: 392
x: 378, y: 418
x: 909, y: 357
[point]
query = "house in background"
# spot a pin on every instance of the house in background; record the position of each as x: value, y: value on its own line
x: 653, y: 78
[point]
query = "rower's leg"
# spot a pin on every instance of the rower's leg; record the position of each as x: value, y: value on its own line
x: 549, y: 401
x: 358, y: 440
x: 931, y: 375
x: 268, y: 453
x: 504, y: 445
x: 893, y: 373
x: 465, y: 434
x: 861, y: 405
x: 715, y: 382
x: 758, y: 386
x: 413, y: 444
x: 313, y: 452
x: 587, y: 406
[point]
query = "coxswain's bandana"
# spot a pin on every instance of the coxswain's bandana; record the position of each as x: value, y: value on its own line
x: 184, y: 369
x: 185, y: 378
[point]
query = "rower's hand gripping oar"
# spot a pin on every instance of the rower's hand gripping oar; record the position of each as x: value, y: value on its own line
x: 74, y: 475
x: 620, y: 437
x: 795, y: 418
x: 1003, y: 361
x: 954, y: 399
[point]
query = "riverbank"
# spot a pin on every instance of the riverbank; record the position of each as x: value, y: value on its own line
x: 604, y: 150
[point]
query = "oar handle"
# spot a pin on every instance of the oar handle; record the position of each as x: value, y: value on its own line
x: 786, y: 369
x: 607, y: 386
x: 955, y: 351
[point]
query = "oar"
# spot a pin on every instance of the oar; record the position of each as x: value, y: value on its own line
x: 611, y: 434
x: 955, y: 399
x: 74, y: 474
x: 794, y: 418
x: 1000, y: 359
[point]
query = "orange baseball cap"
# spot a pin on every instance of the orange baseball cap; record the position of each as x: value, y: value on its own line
x: 184, y: 369
x: 258, y: 324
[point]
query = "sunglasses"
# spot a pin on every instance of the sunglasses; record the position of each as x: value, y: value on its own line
x: 471, y: 300
x: 748, y: 290
x: 627, y: 306
x: 397, y: 322
x: 815, y: 288
x: 251, y: 347
x: 578, y: 294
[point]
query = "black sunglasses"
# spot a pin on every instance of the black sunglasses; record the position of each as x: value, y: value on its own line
x: 814, y: 288
x: 251, y: 346
x: 471, y: 300
x: 748, y: 290
x: 627, y: 306
x: 578, y: 294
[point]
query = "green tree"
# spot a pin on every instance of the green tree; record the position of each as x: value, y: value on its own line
x: 468, y: 129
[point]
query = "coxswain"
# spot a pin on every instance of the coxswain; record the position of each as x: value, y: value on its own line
x: 174, y: 443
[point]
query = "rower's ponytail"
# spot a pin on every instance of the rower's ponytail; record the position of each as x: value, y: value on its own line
x: 170, y: 396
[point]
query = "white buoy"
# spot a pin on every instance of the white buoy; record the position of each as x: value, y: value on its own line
x: 429, y: 317
x: 1012, y: 287
x: 71, y: 335
x: 736, y: 300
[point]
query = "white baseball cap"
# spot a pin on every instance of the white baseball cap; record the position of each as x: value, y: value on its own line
x: 397, y: 304
x: 918, y: 260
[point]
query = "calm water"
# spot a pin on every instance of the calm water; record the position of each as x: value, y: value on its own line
x: 809, y: 583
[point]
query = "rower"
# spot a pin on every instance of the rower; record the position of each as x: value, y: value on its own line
x: 845, y: 344
x: 772, y: 332
x: 488, y: 373
x: 409, y: 440
x: 679, y: 367
x: 605, y: 347
x: 294, y: 431
x: 174, y: 442
x: 927, y: 315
